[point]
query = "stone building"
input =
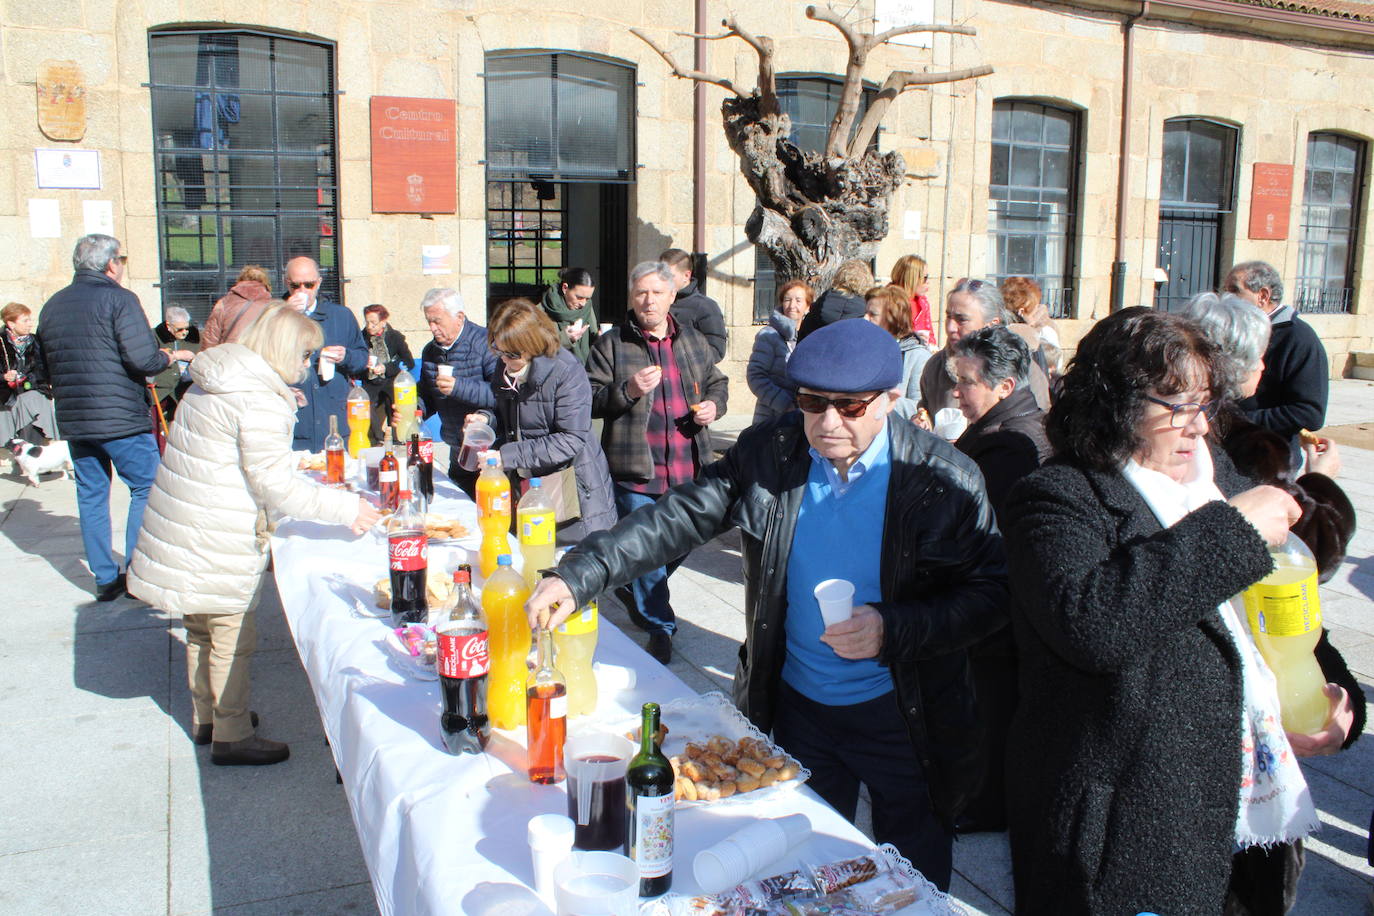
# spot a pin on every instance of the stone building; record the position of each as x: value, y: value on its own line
x: 493, y: 143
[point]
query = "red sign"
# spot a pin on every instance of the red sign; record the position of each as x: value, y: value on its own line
x: 414, y: 159
x: 1271, y: 197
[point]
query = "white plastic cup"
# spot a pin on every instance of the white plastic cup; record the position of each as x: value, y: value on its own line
x: 836, y: 598
x: 550, y: 838
x: 444, y: 370
x: 949, y: 423
x: 746, y: 852
x: 596, y: 884
x: 326, y: 369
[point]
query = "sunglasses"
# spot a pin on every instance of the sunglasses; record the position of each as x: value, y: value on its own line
x: 506, y: 354
x: 294, y: 285
x: 181, y: 330
x: 850, y: 408
x: 120, y: 258
x: 968, y: 285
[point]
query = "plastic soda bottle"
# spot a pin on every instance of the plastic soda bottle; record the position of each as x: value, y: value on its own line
x: 334, y: 454
x: 403, y: 398
x: 495, y: 544
x: 535, y: 527
x: 575, y: 639
x: 359, y: 413
x: 503, y: 601
x: 493, y: 499
x: 1286, y: 620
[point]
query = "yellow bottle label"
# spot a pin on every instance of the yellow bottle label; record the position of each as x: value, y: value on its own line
x: 580, y: 623
x: 1288, y: 607
x: 536, y: 528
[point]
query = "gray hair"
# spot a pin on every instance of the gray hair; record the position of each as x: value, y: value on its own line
x: 1000, y: 353
x: 446, y: 297
x: 94, y: 252
x: 643, y: 269
x: 176, y: 313
x: 1258, y: 275
x: 989, y: 297
x: 1239, y: 330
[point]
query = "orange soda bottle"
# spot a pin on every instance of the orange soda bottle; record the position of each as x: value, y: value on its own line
x: 503, y: 601
x: 359, y: 413
x: 493, y: 499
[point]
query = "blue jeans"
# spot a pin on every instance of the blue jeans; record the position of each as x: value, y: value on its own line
x: 136, y: 459
x: 650, y: 589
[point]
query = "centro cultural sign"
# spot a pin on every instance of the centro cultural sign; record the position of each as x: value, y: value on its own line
x: 413, y: 155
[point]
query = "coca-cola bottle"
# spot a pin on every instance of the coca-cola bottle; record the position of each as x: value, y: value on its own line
x: 426, y: 459
x: 389, y: 476
x: 464, y: 661
x: 408, y: 554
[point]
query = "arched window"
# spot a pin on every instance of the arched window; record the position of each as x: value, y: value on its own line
x: 1032, y: 197
x: 1196, y: 192
x: 1330, y: 223
x: 244, y: 127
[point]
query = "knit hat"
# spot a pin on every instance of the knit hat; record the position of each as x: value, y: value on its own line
x: 848, y: 356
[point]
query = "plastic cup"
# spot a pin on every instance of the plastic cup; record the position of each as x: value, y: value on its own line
x: 836, y: 598
x: 949, y: 423
x: 596, y: 765
x: 371, y: 458
x: 444, y: 370
x: 477, y: 438
x: 326, y: 369
x: 550, y: 837
x: 746, y: 852
x: 596, y: 884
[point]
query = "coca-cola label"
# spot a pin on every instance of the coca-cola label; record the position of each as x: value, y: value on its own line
x: 427, y: 451
x: 463, y: 655
x: 408, y: 552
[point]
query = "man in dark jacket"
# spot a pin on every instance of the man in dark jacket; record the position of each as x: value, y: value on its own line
x: 325, y: 386
x: 100, y: 351
x: 655, y: 383
x: 841, y: 491
x: 1293, y: 389
x: 460, y: 346
x: 691, y: 306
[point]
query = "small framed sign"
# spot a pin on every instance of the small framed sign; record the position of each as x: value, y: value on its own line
x: 68, y: 169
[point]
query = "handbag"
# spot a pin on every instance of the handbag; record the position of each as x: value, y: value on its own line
x: 561, y: 488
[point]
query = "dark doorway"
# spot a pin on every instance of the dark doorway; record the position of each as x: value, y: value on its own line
x: 1197, y: 192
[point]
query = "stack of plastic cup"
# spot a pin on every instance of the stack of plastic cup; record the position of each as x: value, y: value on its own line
x: 551, y: 839
x: 746, y: 852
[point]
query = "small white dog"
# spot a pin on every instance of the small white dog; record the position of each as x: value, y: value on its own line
x: 34, y: 460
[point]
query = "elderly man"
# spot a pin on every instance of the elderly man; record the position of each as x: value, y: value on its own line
x: 176, y: 331
x: 655, y: 383
x: 460, y: 346
x: 1294, y: 386
x: 841, y: 490
x: 324, y: 389
x: 691, y: 306
x: 100, y: 352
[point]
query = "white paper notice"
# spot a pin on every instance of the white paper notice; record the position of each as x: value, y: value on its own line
x: 436, y: 259
x: 45, y: 219
x: 99, y: 216
x: 911, y: 225
x: 68, y: 168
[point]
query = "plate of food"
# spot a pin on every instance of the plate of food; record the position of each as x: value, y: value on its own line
x: 438, y: 588
x: 440, y: 529
x: 718, y: 756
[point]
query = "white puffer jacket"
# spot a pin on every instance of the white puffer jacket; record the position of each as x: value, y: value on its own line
x: 203, y: 545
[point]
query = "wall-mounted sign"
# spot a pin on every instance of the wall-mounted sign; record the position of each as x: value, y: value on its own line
x: 68, y: 169
x: 61, y: 100
x: 413, y: 155
x: 1271, y: 197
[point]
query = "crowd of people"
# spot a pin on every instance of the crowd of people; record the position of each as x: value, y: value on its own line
x: 1045, y: 556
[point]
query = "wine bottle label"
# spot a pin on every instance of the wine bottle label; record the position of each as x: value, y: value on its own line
x: 558, y: 707
x: 388, y: 477
x: 408, y: 552
x: 1286, y: 609
x: 463, y: 655
x: 653, y: 849
x: 536, y: 528
x: 580, y: 623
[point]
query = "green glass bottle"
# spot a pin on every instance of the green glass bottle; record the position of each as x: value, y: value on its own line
x: 649, y: 804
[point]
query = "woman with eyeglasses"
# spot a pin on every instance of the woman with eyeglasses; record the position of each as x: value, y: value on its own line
x: 387, y: 354
x: 179, y: 337
x: 26, y: 406
x: 1146, y: 747
x: 889, y: 308
x: 543, y: 418
x: 773, y: 346
x: 202, y: 549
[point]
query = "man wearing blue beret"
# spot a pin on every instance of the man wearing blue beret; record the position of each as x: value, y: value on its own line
x: 841, y: 490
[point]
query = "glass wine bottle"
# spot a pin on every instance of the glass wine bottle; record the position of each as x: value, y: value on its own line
x: 649, y: 839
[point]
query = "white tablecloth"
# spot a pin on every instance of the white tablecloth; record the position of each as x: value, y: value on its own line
x: 442, y: 833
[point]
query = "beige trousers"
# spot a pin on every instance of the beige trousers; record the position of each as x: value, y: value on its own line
x: 218, y: 650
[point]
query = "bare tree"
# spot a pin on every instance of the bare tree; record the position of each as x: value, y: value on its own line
x: 815, y: 210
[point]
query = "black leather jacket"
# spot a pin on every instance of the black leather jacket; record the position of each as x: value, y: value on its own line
x: 942, y: 567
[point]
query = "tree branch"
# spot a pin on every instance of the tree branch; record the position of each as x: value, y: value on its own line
x: 890, y: 34
x: 767, y: 83
x: 896, y: 83
x: 853, y: 78
x: 684, y: 73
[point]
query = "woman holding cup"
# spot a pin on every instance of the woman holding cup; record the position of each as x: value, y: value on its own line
x: 568, y: 303
x: 387, y: 354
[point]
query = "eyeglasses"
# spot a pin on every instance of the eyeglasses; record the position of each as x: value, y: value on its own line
x: 1180, y: 415
x: 506, y: 354
x: 181, y: 330
x: 850, y: 408
x: 120, y: 258
x: 307, y: 355
x: 968, y: 285
x: 294, y: 285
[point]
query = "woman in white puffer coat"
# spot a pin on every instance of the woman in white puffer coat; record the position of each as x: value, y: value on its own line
x: 203, y: 547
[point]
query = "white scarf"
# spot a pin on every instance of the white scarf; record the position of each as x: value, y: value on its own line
x: 1275, y: 803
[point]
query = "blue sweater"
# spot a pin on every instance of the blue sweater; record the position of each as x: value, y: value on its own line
x: 323, y: 399
x: 473, y: 367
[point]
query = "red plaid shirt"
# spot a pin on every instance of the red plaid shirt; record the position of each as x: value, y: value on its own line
x: 671, y: 426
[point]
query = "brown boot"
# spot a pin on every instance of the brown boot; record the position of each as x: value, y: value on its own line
x: 252, y: 751
x: 202, y: 734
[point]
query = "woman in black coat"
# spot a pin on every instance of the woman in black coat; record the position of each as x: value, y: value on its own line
x: 1137, y: 681
x: 26, y: 407
x: 543, y: 414
x: 387, y: 354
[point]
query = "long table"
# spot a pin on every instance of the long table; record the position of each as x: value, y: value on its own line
x: 444, y: 834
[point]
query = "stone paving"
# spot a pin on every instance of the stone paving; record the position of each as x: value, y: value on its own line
x: 111, y: 810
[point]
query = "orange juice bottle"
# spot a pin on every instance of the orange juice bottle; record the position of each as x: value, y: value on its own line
x: 495, y: 544
x: 493, y: 499
x: 359, y: 411
x: 503, y: 601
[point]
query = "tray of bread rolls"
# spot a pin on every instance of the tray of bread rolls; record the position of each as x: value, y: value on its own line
x: 718, y: 756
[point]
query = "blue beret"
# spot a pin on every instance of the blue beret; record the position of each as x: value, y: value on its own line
x: 849, y: 356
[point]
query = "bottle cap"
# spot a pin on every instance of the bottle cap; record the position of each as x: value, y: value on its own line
x: 462, y: 576
x: 503, y: 560
x: 536, y: 481
x: 491, y: 462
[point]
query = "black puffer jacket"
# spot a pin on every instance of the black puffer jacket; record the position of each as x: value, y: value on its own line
x: 700, y: 312
x: 942, y: 568
x: 100, y: 352
x: 1007, y: 443
x: 1123, y: 767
